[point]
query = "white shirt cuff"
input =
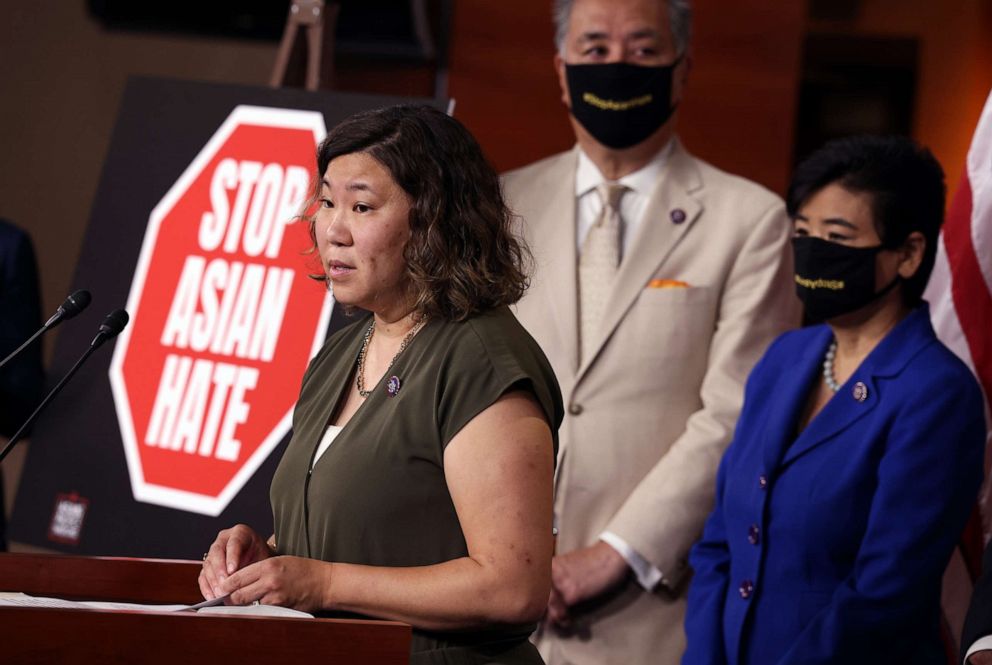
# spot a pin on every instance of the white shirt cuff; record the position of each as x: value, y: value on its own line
x: 647, y: 575
x: 981, y: 644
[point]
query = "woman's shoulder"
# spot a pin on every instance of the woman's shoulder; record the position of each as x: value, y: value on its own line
x: 936, y: 366
x: 920, y: 362
x: 494, y: 333
x: 482, y: 358
x: 495, y: 343
x: 498, y: 323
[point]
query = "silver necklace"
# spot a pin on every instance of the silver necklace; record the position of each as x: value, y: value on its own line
x: 828, y: 367
x: 360, y: 372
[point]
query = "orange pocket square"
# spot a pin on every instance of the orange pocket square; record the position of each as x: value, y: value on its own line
x: 667, y: 284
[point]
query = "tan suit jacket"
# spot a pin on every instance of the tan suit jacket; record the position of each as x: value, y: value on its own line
x: 652, y: 409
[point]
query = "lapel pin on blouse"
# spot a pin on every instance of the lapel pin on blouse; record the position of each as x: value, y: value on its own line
x: 393, y: 386
x: 860, y: 391
x: 677, y: 215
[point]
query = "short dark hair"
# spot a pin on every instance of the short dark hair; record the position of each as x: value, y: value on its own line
x: 679, y: 18
x: 462, y: 257
x: 904, y: 181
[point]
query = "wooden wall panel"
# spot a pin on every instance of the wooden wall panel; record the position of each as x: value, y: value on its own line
x: 742, y: 88
x: 503, y: 79
x: 954, y: 69
x: 741, y: 106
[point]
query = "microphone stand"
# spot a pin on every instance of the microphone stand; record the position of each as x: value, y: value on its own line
x: 73, y: 305
x: 24, y: 345
x: 48, y: 398
x: 111, y: 326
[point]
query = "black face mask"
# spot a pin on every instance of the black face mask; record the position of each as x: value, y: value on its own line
x: 618, y: 103
x: 834, y: 279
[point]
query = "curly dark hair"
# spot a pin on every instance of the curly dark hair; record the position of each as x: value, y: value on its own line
x: 904, y: 181
x: 462, y: 257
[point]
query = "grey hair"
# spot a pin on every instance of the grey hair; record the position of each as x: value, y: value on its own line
x: 679, y: 17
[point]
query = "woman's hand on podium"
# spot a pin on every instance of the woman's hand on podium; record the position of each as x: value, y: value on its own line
x: 288, y: 581
x: 233, y: 549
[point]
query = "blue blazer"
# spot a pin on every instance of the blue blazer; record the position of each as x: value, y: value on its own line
x: 828, y: 545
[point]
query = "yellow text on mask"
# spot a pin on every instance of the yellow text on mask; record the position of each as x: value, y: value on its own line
x: 832, y: 284
x: 611, y: 105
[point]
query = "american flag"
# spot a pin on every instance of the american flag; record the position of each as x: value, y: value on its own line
x: 960, y: 297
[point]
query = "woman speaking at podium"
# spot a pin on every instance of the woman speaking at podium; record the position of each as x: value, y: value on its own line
x: 418, y: 483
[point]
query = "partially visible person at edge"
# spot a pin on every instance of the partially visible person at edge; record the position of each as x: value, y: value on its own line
x: 858, y: 454
x: 976, y: 636
x: 22, y: 379
x: 659, y: 282
x: 418, y: 483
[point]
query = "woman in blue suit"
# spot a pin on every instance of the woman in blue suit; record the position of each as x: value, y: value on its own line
x: 858, y: 453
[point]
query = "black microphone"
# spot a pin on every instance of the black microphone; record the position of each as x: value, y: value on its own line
x: 72, y: 306
x: 111, y: 326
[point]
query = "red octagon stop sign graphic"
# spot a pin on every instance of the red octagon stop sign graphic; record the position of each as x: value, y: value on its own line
x: 224, y: 317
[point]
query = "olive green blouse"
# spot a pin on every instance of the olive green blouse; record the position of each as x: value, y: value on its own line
x: 378, y: 495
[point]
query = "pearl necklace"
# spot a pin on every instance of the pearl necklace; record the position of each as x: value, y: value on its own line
x: 828, y: 367
x: 360, y: 372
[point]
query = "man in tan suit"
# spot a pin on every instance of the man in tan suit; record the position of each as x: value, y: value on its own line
x: 659, y: 281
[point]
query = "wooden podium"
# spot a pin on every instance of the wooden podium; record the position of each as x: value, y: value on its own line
x: 42, y: 635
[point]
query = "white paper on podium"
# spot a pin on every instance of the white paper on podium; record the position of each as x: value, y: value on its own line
x: 17, y: 599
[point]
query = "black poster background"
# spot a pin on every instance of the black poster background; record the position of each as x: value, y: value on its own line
x: 76, y: 445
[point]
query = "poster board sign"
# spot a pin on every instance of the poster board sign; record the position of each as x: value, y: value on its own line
x: 175, y: 432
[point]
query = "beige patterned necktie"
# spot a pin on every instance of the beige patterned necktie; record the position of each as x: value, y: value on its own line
x: 598, y: 265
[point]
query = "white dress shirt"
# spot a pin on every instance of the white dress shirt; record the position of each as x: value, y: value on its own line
x: 640, y: 184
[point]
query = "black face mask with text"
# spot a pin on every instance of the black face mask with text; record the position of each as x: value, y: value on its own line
x: 834, y: 279
x: 618, y: 103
